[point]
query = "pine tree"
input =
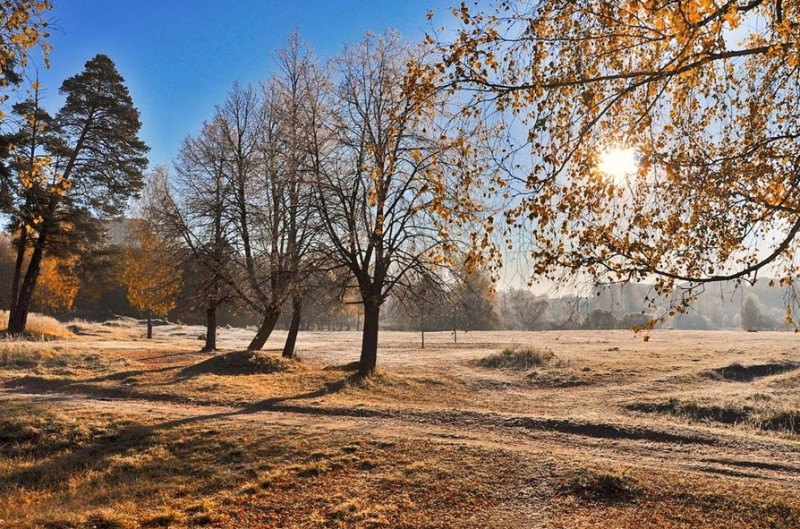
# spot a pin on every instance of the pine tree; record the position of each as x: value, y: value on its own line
x: 70, y: 171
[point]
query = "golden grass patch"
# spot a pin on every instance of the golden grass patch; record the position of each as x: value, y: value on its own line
x: 40, y: 327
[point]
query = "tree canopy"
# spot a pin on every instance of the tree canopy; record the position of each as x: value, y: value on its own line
x: 706, y: 95
x: 69, y: 170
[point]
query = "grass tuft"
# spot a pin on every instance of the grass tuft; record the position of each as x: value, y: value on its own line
x: 39, y: 327
x: 242, y: 363
x: 164, y: 519
x: 518, y: 358
x: 602, y: 486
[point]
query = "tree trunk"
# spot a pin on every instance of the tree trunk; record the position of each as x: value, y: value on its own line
x: 18, y: 316
x: 270, y: 319
x: 149, y: 327
x: 211, y: 330
x: 23, y: 236
x: 369, y: 339
x: 422, y: 328
x: 294, y: 327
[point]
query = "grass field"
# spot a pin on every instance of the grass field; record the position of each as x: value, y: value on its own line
x: 502, y: 429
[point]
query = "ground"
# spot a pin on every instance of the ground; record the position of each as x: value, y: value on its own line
x: 595, y: 429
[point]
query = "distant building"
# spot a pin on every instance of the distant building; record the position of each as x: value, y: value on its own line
x: 119, y: 232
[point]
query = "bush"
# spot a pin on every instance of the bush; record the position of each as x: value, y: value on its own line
x: 600, y: 319
x: 634, y: 319
x: 518, y: 358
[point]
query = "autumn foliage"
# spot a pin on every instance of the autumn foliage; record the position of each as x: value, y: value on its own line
x: 152, y: 283
x: 58, y: 283
x: 704, y: 92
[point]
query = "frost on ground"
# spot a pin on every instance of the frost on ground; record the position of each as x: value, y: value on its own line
x: 688, y: 429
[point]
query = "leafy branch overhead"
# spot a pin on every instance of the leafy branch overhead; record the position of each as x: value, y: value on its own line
x: 703, y: 92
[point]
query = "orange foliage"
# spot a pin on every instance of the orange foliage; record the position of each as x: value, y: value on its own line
x: 152, y: 281
x: 704, y: 93
x: 58, y: 283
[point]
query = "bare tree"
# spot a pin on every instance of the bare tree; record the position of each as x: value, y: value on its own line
x: 245, y: 202
x: 300, y: 91
x: 200, y: 217
x: 522, y: 309
x: 389, y: 186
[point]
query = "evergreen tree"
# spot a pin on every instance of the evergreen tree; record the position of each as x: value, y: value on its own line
x: 69, y: 171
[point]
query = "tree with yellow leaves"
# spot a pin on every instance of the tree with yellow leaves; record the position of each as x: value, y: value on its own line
x: 702, y: 96
x: 150, y: 272
x: 58, y: 283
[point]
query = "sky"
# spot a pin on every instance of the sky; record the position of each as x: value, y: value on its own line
x: 179, y: 58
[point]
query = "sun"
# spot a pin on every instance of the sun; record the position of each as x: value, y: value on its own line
x: 618, y: 163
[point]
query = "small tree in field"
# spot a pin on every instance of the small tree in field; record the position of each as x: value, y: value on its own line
x: 59, y: 283
x: 150, y: 274
x: 752, y: 314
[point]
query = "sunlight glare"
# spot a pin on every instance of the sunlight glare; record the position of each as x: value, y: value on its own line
x: 618, y: 163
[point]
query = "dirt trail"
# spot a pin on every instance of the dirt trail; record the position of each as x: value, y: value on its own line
x: 694, y: 450
x: 609, y: 405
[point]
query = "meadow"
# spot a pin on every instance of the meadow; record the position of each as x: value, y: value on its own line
x: 106, y: 429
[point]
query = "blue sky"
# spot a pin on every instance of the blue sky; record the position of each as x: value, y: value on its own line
x: 180, y: 57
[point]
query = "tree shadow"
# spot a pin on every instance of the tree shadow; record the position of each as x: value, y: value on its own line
x: 95, y: 454
x: 171, y: 355
x: 136, y: 437
x: 122, y: 375
x: 279, y: 403
x: 43, y: 386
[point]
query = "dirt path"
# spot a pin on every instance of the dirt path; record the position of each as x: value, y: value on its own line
x: 685, y: 449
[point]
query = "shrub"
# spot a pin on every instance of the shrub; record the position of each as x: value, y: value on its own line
x: 518, y: 358
x: 600, y: 319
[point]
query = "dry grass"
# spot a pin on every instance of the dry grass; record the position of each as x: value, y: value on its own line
x: 242, y: 363
x: 518, y: 358
x: 24, y: 358
x: 602, y: 485
x: 757, y: 396
x: 40, y: 327
x: 81, y: 470
x: 100, y: 472
x: 760, y: 413
x: 432, y: 440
